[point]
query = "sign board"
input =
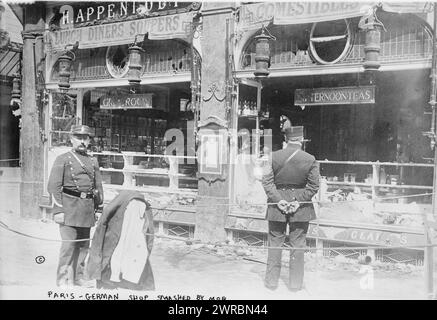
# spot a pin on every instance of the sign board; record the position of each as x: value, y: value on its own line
x: 68, y: 15
x: 334, y: 96
x: 256, y: 14
x: 102, y: 35
x: 366, y: 236
x: 127, y: 101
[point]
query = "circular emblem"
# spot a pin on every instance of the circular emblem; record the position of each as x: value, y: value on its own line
x: 330, y: 41
x: 117, y: 61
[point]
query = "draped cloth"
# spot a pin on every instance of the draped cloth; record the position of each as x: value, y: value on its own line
x: 130, y: 255
x: 112, y: 247
x: 250, y: 194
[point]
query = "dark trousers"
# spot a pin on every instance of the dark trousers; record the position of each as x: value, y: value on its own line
x: 297, y: 239
x: 72, y: 255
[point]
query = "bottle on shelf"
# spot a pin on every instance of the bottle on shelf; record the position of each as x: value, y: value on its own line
x: 254, y: 108
x: 245, y: 108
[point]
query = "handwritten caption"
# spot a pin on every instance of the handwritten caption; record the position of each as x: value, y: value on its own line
x: 64, y: 295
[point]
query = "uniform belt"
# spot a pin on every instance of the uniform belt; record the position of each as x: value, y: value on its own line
x: 289, y: 186
x: 79, y: 194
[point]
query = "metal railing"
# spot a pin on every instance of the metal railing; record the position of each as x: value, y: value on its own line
x: 398, y: 44
x: 93, y: 66
x: 374, y: 179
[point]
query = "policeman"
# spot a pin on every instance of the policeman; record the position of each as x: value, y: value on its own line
x: 290, y: 183
x: 75, y: 184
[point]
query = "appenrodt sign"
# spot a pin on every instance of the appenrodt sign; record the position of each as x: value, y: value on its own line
x: 129, y: 101
x: 157, y: 28
x: 334, y: 96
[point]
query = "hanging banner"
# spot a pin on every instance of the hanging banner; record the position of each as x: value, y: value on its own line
x: 263, y: 13
x: 157, y: 28
x: 334, y: 96
x: 257, y: 14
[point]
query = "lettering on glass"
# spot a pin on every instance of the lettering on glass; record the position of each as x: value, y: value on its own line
x: 334, y: 96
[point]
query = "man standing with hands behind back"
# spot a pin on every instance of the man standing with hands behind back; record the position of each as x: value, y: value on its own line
x: 75, y: 184
x: 290, y: 183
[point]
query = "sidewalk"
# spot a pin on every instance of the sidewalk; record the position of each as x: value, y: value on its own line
x: 182, y: 269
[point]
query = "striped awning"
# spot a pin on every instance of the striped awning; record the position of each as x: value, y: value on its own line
x: 12, y: 46
x: 10, y: 61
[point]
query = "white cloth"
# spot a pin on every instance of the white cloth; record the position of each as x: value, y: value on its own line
x: 250, y: 194
x: 131, y: 254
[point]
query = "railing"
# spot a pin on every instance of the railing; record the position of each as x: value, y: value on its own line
x: 10, y: 162
x: 399, y: 44
x: 373, y: 180
x: 89, y: 66
x: 396, y: 194
x: 119, y: 169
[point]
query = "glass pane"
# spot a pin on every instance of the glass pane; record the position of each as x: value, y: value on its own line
x: 63, y: 117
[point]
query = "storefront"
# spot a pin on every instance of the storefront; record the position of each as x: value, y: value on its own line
x: 11, y: 47
x: 366, y: 128
x: 364, y: 109
x: 130, y: 113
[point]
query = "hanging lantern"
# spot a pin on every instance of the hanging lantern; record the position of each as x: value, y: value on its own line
x: 16, y: 88
x: 372, y: 45
x: 64, y: 70
x: 15, y: 103
x: 262, y: 54
x: 134, y: 75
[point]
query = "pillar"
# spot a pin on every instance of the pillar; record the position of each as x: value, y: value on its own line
x: 213, y: 192
x: 32, y: 151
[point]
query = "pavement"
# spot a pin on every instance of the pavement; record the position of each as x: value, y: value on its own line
x: 187, y: 271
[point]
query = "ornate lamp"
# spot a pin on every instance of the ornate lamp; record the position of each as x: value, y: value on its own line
x: 134, y: 75
x: 262, y: 53
x: 16, y: 88
x: 64, y: 70
x: 372, y: 47
x: 15, y: 103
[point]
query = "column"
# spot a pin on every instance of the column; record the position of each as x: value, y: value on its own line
x: 32, y: 151
x: 213, y: 192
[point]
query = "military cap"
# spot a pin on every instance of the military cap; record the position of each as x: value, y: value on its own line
x: 81, y: 129
x: 294, y: 133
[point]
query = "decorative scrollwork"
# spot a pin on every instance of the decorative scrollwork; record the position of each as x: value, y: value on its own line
x: 213, y: 88
x: 211, y: 180
x: 196, y: 5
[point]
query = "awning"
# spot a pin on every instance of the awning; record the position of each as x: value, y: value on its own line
x: 10, y: 52
x: 253, y: 16
x: 9, y: 62
x: 157, y: 28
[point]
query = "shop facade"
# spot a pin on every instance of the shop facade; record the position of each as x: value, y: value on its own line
x: 365, y: 118
x: 11, y: 47
x: 135, y: 117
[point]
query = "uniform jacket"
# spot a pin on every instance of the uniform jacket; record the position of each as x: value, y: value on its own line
x: 107, y: 236
x: 300, y: 174
x: 67, y: 172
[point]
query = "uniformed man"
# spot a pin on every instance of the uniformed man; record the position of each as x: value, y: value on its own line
x: 290, y: 183
x: 75, y: 184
